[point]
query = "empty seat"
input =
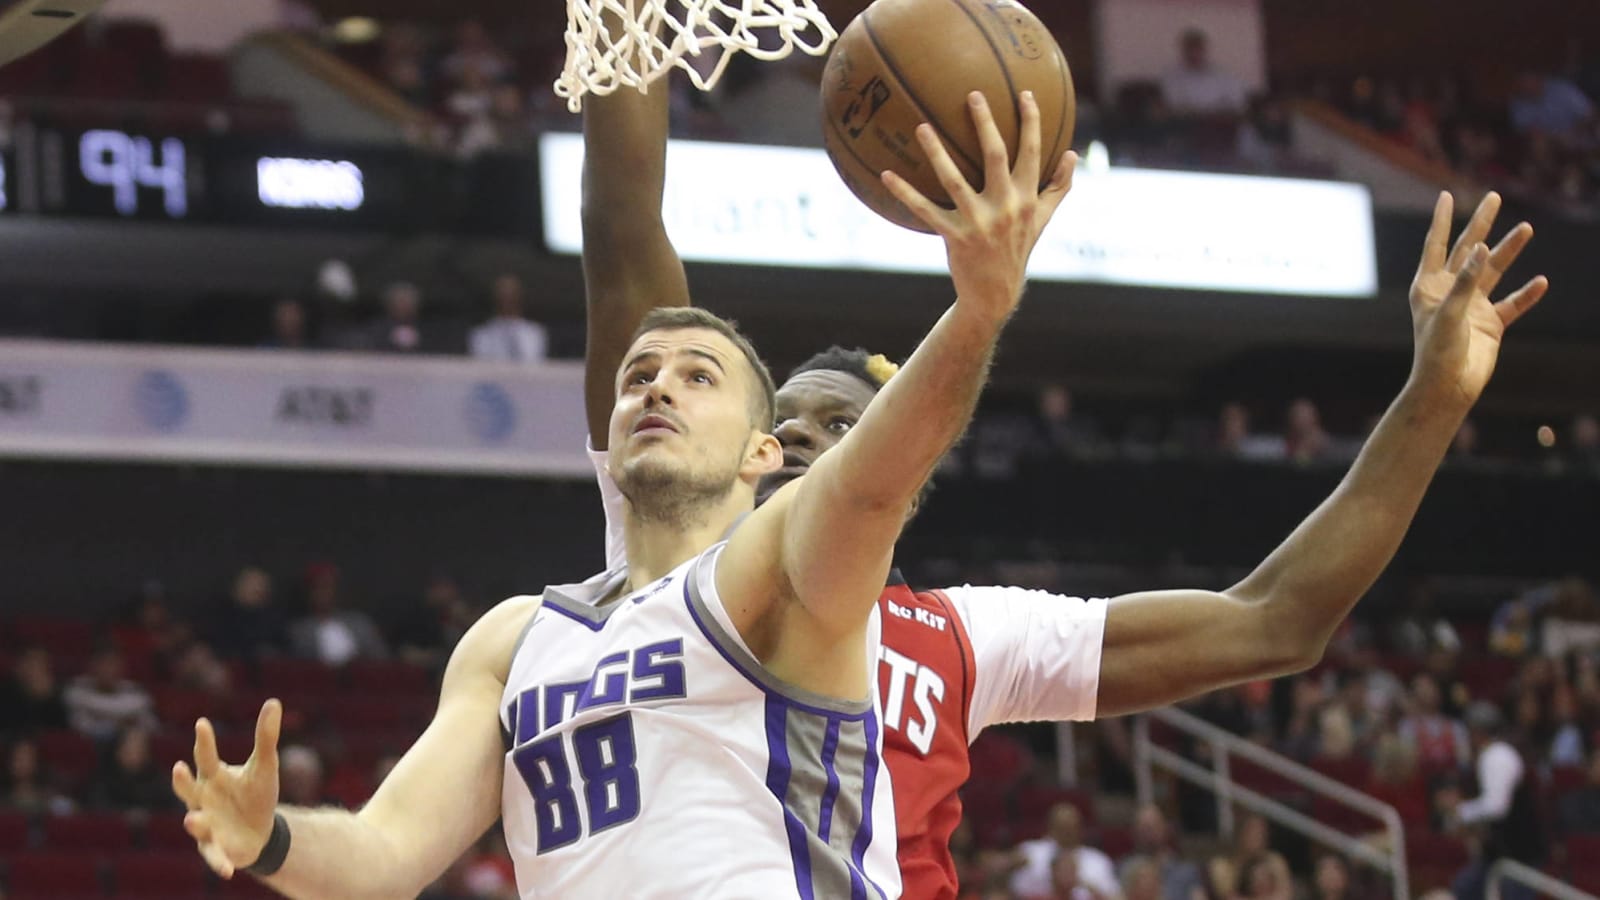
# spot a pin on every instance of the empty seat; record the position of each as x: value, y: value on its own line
x: 58, y: 635
x: 390, y: 677
x: 298, y: 676
x: 1425, y: 849
x: 54, y: 874
x: 198, y: 79
x: 164, y: 832
x: 13, y: 833
x: 153, y: 875
x: 1352, y: 770
x: 86, y: 832
x: 243, y: 887
x: 68, y: 754
x: 379, y: 713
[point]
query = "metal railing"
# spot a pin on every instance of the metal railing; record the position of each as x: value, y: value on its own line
x: 1224, y: 746
x: 1511, y: 870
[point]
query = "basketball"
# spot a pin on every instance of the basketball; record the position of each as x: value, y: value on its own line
x: 905, y: 62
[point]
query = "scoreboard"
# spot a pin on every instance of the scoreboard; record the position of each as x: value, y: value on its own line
x: 148, y: 176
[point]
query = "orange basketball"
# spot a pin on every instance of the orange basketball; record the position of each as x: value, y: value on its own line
x: 905, y: 62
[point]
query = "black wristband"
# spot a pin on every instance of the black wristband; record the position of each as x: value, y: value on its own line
x: 276, y: 850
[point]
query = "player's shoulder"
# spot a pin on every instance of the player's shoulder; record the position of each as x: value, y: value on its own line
x: 492, y: 640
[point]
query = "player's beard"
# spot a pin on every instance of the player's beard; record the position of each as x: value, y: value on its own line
x: 661, y: 493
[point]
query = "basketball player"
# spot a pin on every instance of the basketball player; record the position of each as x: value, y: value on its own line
x: 958, y: 660
x: 702, y: 722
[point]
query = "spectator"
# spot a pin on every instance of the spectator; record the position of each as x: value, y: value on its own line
x: 432, y: 631
x: 1393, y: 778
x: 1347, y: 725
x: 1252, y: 839
x: 502, y: 126
x: 1141, y: 879
x: 31, y: 700
x: 509, y: 336
x: 102, y: 703
x: 1436, y: 741
x: 196, y: 667
x: 1567, y: 741
x: 1584, y: 454
x: 289, y: 330
x: 1233, y: 430
x: 1265, y: 878
x: 1464, y: 446
x: 1419, y: 125
x: 1175, y: 877
x: 1511, y: 630
x: 1420, y: 629
x: 1197, y: 88
x: 300, y: 777
x: 1572, y: 621
x: 1580, y: 809
x: 1304, y: 440
x: 1385, y: 692
x: 470, y: 105
x: 130, y: 778
x: 1551, y: 106
x: 401, y: 64
x: 399, y: 329
x: 1331, y: 879
x: 153, y: 637
x: 1266, y: 142
x: 1302, y: 734
x: 1222, y: 879
x: 26, y: 786
x: 1504, y: 811
x: 476, y: 51
x: 1236, y: 441
x: 1065, y: 883
x: 997, y: 443
x: 250, y: 626
x: 1036, y: 873
x: 1063, y: 432
x: 327, y: 633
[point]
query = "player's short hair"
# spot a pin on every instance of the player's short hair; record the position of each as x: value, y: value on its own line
x: 873, y: 368
x: 764, y: 401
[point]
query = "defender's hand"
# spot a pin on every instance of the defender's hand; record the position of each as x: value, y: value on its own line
x: 231, y: 807
x: 1457, y: 328
x: 990, y: 235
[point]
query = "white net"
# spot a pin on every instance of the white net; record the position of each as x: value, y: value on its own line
x: 630, y: 43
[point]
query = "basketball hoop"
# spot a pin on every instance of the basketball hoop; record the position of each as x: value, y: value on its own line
x: 651, y: 37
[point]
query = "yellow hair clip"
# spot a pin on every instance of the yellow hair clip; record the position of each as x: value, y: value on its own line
x: 881, y: 369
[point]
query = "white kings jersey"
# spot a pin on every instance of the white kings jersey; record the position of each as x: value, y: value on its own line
x: 650, y: 755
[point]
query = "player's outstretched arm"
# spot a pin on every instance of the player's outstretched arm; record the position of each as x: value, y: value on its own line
x: 629, y: 265
x: 441, y: 797
x: 834, y: 530
x: 1165, y: 646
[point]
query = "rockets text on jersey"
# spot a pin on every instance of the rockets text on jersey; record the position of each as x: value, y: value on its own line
x: 925, y: 683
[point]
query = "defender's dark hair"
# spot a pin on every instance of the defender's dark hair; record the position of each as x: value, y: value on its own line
x: 874, y: 369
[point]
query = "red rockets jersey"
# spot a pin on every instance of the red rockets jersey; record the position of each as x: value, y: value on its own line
x: 925, y: 684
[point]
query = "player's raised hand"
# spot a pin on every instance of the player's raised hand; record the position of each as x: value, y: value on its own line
x: 1457, y: 327
x: 991, y: 233
x: 231, y: 807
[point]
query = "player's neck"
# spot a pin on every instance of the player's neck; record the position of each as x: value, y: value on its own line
x: 656, y: 546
